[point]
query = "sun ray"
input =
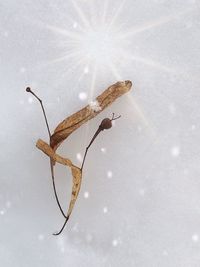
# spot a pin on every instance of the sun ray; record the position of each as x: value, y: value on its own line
x: 68, y: 70
x: 116, y: 14
x: 66, y: 57
x: 90, y: 98
x: 63, y: 32
x: 114, y: 71
x: 153, y: 24
x: 75, y: 55
x: 105, y: 8
x: 93, y: 15
x: 81, y: 15
x: 153, y: 64
x: 140, y: 113
x: 93, y: 81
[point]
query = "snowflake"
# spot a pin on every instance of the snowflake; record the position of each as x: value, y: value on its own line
x: 82, y: 96
x: 94, y: 105
x: 109, y: 174
x: 175, y: 151
x: 79, y: 157
x: 105, y: 210
x: 195, y: 238
x: 86, y: 194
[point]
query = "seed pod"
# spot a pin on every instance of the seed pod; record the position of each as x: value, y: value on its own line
x: 106, y: 124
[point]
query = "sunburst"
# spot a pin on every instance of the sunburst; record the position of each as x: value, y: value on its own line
x: 97, y: 42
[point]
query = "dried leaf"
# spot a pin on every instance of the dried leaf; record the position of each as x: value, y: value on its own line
x: 76, y: 171
x: 73, y: 122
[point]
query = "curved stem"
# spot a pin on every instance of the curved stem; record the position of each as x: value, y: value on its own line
x: 54, y: 189
x: 86, y: 150
x: 58, y: 233
x: 28, y: 89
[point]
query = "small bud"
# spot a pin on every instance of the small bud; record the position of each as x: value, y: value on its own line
x: 28, y: 89
x: 106, y: 124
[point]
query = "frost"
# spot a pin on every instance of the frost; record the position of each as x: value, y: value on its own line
x: 94, y: 105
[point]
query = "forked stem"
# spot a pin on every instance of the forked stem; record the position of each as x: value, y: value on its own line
x: 105, y: 124
x: 115, y: 118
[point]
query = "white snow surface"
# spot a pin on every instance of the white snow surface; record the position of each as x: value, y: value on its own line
x: 61, y: 49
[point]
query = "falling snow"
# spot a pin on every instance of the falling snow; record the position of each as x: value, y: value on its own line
x: 103, y: 150
x: 175, y: 151
x: 22, y: 70
x: 165, y: 253
x: 79, y: 157
x: 2, y: 212
x: 115, y: 242
x: 30, y: 100
x: 105, y: 210
x: 8, y: 204
x: 143, y: 175
x: 82, y: 96
x: 109, y: 174
x: 75, y: 24
x: 86, y: 70
x: 86, y: 194
x: 89, y: 238
x: 40, y: 237
x: 195, y: 238
x: 142, y: 192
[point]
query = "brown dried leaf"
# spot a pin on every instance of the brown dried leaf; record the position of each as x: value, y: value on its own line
x: 73, y: 122
x: 76, y: 172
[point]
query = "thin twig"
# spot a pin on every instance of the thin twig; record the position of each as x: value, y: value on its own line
x: 28, y: 89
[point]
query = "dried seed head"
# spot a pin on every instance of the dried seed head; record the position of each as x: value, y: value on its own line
x: 28, y: 89
x: 106, y: 124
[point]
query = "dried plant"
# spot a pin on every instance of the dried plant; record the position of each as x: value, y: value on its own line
x: 67, y: 127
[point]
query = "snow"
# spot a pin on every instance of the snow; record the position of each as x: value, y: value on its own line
x: 86, y: 194
x: 82, y: 96
x: 109, y: 174
x: 94, y: 105
x: 141, y: 183
x: 175, y: 151
x: 195, y: 238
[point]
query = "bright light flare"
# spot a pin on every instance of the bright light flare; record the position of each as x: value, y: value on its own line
x: 97, y: 43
